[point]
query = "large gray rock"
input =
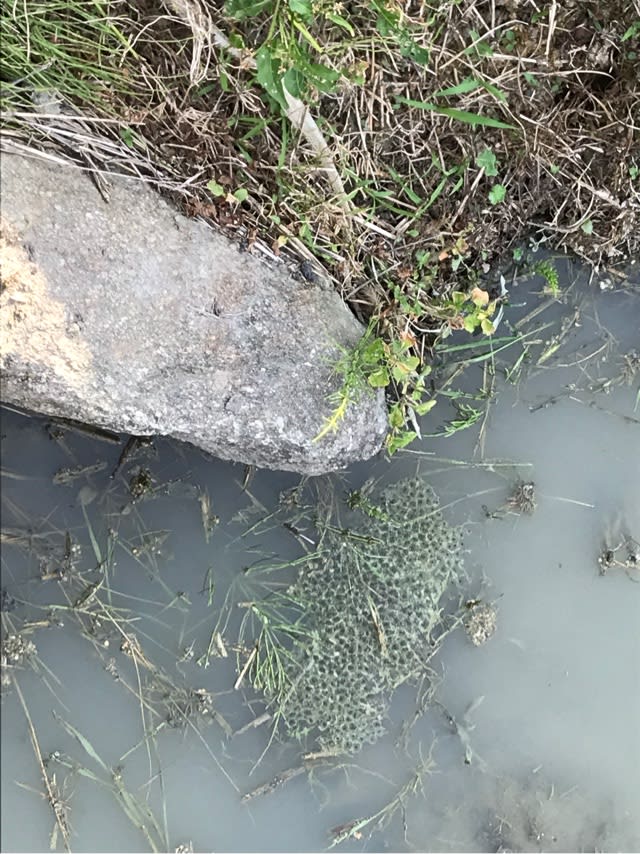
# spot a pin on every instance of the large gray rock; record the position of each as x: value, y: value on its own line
x: 129, y: 316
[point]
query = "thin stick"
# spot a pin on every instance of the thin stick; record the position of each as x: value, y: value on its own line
x: 278, y: 780
x: 36, y: 749
x: 245, y: 669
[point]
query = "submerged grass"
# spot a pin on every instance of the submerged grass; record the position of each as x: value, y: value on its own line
x: 365, y: 826
x: 58, y: 805
x: 70, y: 584
x: 75, y: 577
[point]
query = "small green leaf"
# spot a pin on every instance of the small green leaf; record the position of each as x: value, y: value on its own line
x: 321, y: 76
x: 126, y: 134
x: 427, y: 406
x: 410, y: 49
x: 294, y: 82
x: 487, y: 326
x: 383, y: 26
x: 458, y: 115
x: 301, y: 7
x: 487, y: 160
x: 632, y: 32
x: 587, y: 227
x: 396, y: 416
x: 410, y: 363
x: 422, y: 257
x: 470, y: 322
x: 411, y: 195
x: 497, y: 194
x: 297, y: 23
x: 373, y: 352
x: 340, y: 22
x: 268, y: 75
x: 547, y: 270
x: 379, y: 378
x: 400, y: 440
x: 241, y: 9
x: 469, y: 84
x: 241, y: 194
x: 214, y: 188
x: 481, y: 48
x: 497, y: 93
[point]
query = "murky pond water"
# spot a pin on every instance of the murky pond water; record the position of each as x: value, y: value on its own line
x: 135, y: 701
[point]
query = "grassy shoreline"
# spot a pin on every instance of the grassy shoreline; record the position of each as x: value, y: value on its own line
x: 400, y: 151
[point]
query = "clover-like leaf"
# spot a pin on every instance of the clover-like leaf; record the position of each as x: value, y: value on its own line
x: 379, y: 378
x: 488, y: 161
x: 215, y: 189
x: 497, y: 194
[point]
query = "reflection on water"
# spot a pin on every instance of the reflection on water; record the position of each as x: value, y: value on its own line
x: 128, y: 719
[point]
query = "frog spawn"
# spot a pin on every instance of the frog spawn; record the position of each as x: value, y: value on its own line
x: 374, y: 614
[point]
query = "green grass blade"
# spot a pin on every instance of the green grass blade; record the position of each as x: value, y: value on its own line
x: 84, y: 742
x: 458, y: 115
x: 469, y: 84
x: 94, y: 542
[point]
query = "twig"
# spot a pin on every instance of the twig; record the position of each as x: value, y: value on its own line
x: 245, y: 669
x: 264, y: 718
x: 278, y: 780
x: 36, y: 749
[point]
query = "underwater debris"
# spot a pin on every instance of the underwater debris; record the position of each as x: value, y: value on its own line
x: 626, y: 555
x: 16, y: 650
x: 529, y: 814
x: 141, y: 483
x: 523, y: 498
x: 278, y: 781
x: 480, y: 623
x: 133, y: 448
x: 372, y: 606
x: 7, y: 602
x: 66, y: 476
x: 187, y: 703
x: 210, y: 520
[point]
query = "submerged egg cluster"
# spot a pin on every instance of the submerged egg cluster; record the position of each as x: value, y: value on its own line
x: 373, y: 607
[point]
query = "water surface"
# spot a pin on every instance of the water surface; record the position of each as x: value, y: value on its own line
x: 530, y: 741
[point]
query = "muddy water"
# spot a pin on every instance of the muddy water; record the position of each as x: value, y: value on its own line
x: 530, y: 741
